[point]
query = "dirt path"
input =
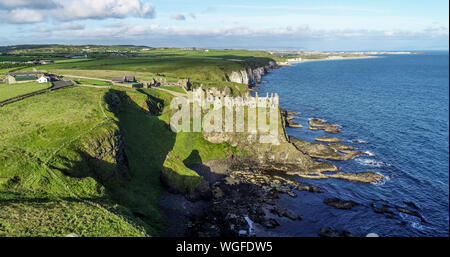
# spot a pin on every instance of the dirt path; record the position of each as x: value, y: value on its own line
x: 82, y: 77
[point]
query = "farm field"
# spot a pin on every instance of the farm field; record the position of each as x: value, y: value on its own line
x: 14, y: 90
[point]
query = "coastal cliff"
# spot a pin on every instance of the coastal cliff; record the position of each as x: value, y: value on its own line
x: 283, y: 156
x: 288, y: 155
x: 251, y: 75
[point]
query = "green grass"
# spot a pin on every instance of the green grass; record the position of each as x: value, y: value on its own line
x: 91, y: 82
x: 60, y: 218
x: 58, y: 172
x: 175, y: 67
x: 173, y: 63
x: 150, y: 134
x: 14, y: 90
x: 175, y: 89
x: 54, y: 156
x: 50, y: 151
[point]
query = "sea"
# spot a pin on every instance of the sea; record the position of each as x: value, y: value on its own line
x: 396, y: 109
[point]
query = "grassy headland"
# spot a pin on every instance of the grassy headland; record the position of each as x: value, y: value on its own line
x: 88, y: 160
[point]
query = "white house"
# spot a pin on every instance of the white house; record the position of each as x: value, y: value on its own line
x: 42, y: 79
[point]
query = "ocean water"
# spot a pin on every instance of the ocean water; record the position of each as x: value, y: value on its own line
x: 397, y: 107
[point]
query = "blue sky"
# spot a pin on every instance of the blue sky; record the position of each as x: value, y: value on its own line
x: 311, y: 25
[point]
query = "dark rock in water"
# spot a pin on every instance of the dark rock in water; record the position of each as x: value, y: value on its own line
x: 392, y: 211
x: 328, y: 139
x: 271, y: 183
x: 410, y: 212
x: 340, y: 204
x: 311, y: 189
x: 290, y: 117
x: 411, y: 204
x: 270, y: 223
x: 282, y: 212
x: 382, y: 209
x: 320, y: 123
x: 285, y: 112
x: 293, y: 124
x: 326, y: 129
x: 332, y: 232
x: 340, y: 147
x: 331, y: 152
x: 333, y: 130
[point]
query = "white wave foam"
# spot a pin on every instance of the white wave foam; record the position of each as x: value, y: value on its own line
x: 412, y: 221
x: 372, y: 162
x: 359, y: 141
x: 383, y: 181
x: 369, y: 153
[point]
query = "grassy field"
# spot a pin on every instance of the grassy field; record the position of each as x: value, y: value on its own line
x: 170, y: 66
x: 13, y: 90
x: 172, y: 63
x: 89, y: 160
x: 94, y: 82
x: 51, y: 169
x: 47, y: 154
x: 62, y: 217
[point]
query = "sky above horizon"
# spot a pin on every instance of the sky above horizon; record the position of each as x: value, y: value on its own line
x: 309, y: 25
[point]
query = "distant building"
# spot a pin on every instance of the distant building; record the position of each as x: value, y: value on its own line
x: 46, y: 61
x: 29, y: 76
x: 10, y: 79
x: 124, y: 79
x: 42, y: 79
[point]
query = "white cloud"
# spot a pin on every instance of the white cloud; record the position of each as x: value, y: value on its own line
x: 28, y: 4
x: 303, y: 31
x: 178, y: 17
x: 103, y: 9
x: 22, y: 16
x: 27, y: 11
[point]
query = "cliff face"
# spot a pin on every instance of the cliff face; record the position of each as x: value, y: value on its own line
x: 251, y: 76
x: 283, y: 156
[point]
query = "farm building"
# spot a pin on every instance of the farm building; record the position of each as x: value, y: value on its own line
x: 17, y: 77
x: 46, y: 61
x: 124, y: 79
x: 27, y: 76
x: 43, y: 79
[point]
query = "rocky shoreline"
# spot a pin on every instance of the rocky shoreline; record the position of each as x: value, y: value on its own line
x: 243, y: 202
x: 240, y: 194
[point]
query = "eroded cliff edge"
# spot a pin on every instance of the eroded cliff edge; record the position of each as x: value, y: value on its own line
x: 251, y: 74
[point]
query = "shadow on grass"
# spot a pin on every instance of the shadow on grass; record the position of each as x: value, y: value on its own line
x: 194, y: 157
x: 129, y: 165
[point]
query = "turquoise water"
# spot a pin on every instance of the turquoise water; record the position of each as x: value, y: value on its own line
x: 397, y: 106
